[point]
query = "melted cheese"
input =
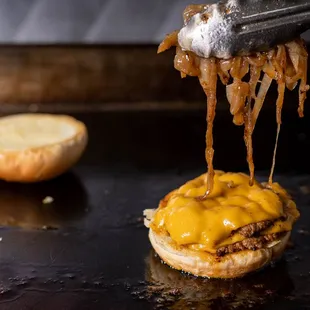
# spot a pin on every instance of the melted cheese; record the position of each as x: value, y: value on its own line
x: 210, y: 223
x: 230, y: 240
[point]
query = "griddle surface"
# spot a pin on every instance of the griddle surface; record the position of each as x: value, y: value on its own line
x: 99, y: 257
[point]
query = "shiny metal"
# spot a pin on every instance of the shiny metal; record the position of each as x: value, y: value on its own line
x: 259, y: 25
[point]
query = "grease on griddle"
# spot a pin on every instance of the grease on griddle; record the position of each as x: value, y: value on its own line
x: 167, y: 288
x: 305, y: 189
x: 303, y: 231
x: 22, y: 205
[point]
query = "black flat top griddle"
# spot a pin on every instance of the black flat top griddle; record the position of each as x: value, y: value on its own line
x: 88, y: 249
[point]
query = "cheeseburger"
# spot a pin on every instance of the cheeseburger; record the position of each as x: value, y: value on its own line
x: 239, y: 228
x: 225, y: 225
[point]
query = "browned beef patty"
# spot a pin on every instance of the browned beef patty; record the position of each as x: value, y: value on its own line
x: 252, y: 229
x: 248, y: 244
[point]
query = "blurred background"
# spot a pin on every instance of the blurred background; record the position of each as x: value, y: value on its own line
x: 83, y: 56
x: 92, y: 52
x: 89, y: 21
x: 97, y: 52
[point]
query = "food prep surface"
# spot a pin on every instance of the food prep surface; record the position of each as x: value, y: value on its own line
x: 78, y: 241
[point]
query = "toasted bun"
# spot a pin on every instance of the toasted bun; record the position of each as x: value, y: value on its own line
x: 208, y: 265
x: 37, y: 147
x: 230, y: 266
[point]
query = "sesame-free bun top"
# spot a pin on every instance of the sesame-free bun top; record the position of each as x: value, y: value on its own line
x: 37, y: 147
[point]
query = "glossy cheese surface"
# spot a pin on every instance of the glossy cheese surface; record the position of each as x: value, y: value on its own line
x: 210, y: 223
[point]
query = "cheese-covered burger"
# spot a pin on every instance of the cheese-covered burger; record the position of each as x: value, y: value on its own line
x: 237, y: 229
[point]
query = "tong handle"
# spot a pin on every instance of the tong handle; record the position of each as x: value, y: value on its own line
x: 274, y: 14
x: 261, y: 24
x: 253, y: 11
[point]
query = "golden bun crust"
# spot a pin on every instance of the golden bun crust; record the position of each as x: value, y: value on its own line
x: 208, y: 265
x: 48, y: 159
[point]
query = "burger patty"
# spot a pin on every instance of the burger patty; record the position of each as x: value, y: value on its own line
x: 248, y: 244
x: 251, y: 229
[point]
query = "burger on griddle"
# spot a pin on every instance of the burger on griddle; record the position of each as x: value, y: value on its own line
x: 237, y: 229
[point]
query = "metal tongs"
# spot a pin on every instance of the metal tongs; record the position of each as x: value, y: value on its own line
x: 258, y: 25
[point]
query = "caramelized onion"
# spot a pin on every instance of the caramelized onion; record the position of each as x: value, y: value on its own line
x: 303, y: 88
x: 208, y: 81
x: 248, y: 133
x: 170, y: 40
x: 191, y: 10
x: 290, y: 81
x: 270, y: 181
x: 185, y: 62
x: 285, y: 64
x: 260, y: 98
x: 236, y: 95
